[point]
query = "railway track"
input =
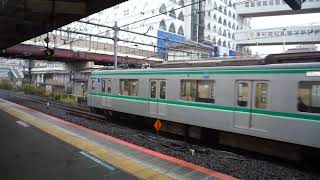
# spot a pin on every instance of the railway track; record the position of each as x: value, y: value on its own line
x: 72, y: 110
x: 218, y: 159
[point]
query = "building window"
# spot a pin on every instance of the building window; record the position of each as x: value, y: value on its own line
x: 172, y: 14
x: 173, y: 1
x: 277, y: 2
x: 163, y: 25
x: 271, y: 2
x: 163, y: 9
x: 180, y: 31
x: 259, y: 3
x: 93, y: 84
x: 261, y: 100
x: 172, y: 28
x: 309, y: 97
x: 126, y: 12
x: 265, y: 3
x: 209, y: 26
x: 181, y: 17
x: 129, y: 87
x: 181, y: 3
x: 197, y: 90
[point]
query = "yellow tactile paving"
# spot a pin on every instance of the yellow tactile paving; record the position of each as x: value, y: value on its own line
x: 121, y: 162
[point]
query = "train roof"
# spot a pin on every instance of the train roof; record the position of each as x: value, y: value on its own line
x: 273, y: 61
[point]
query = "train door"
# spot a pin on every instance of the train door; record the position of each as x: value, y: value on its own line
x: 249, y: 95
x: 158, y: 92
x: 108, y: 91
x: 106, y: 85
x: 93, y: 89
x: 243, y: 104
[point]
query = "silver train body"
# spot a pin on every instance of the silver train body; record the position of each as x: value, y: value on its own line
x: 279, y: 102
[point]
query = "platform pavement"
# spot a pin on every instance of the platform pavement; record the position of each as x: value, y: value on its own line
x: 135, y: 160
x: 28, y: 153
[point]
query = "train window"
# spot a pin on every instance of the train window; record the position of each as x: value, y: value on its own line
x: 309, y: 97
x: 205, y: 91
x: 163, y: 89
x: 197, y: 90
x: 188, y: 90
x: 93, y: 84
x: 103, y: 85
x: 243, y: 94
x: 261, y: 99
x: 109, y: 85
x: 153, y: 90
x: 129, y: 87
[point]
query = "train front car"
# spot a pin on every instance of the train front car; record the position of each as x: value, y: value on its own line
x: 277, y: 102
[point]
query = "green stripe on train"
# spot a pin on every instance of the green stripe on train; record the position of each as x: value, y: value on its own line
x: 234, y: 71
x: 308, y: 117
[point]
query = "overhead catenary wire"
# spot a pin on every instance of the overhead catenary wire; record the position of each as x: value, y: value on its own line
x: 100, y: 36
x: 173, y: 10
x: 159, y: 14
x: 147, y: 35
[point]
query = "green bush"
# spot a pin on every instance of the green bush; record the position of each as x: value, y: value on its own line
x: 30, y: 89
x: 5, y: 84
x: 55, y: 96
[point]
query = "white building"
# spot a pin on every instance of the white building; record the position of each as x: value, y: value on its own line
x: 221, y: 22
x: 178, y: 21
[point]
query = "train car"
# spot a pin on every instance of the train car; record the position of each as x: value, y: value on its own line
x: 275, y: 101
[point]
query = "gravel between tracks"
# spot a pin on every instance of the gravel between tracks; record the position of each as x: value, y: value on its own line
x: 239, y: 166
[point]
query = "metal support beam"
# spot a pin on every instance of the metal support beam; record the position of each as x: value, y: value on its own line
x: 63, y: 7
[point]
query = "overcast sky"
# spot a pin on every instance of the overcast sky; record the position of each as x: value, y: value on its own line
x: 282, y: 21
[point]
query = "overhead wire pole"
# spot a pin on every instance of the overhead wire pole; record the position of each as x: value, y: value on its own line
x: 115, y: 45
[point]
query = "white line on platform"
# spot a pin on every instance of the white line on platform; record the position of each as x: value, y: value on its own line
x: 98, y: 161
x: 23, y: 124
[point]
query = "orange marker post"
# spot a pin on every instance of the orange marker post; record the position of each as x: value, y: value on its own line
x: 157, y: 125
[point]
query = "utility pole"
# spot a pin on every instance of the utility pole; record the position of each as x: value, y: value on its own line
x: 284, y: 40
x: 166, y: 50
x: 198, y: 23
x: 30, y: 64
x: 115, y: 44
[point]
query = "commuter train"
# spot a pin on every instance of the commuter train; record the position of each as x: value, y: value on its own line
x: 275, y: 101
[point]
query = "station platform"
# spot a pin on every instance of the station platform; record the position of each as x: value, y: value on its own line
x: 38, y: 146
